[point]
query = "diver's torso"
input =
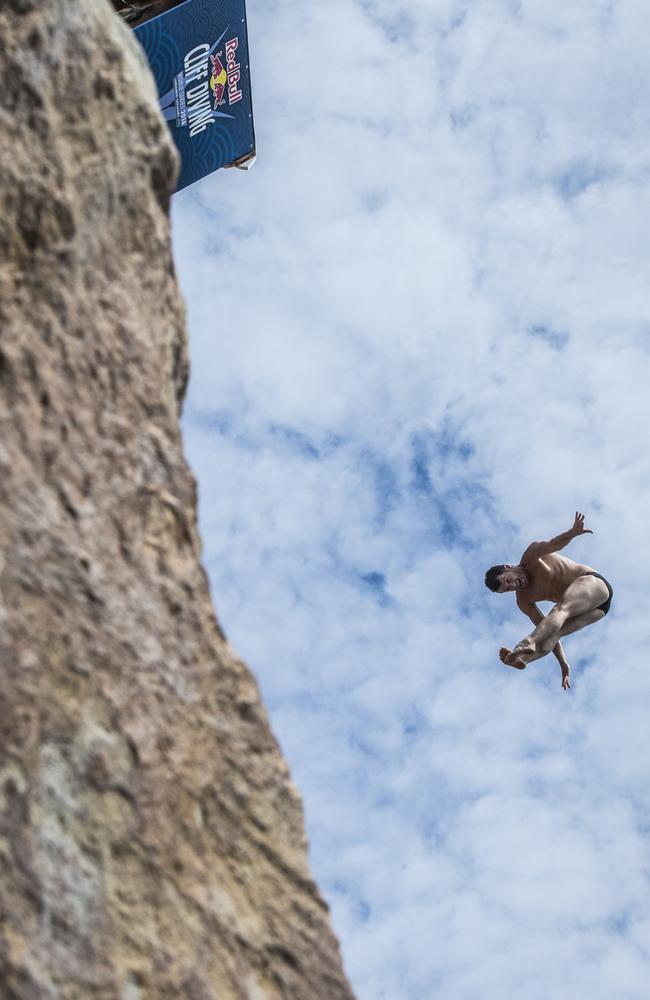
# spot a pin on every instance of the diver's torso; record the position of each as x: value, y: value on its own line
x: 550, y: 576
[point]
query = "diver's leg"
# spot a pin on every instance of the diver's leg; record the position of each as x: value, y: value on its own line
x: 575, y: 624
x: 569, y: 627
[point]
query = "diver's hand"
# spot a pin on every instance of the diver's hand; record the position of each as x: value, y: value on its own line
x: 566, y: 682
x: 579, y: 526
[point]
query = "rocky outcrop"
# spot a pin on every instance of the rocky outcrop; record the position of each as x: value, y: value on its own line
x: 151, y: 841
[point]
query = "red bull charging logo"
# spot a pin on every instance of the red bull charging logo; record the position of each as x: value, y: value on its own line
x: 229, y: 75
x: 218, y: 80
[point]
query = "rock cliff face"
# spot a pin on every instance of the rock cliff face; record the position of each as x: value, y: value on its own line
x: 151, y: 842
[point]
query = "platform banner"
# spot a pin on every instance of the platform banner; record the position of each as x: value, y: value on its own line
x: 198, y: 52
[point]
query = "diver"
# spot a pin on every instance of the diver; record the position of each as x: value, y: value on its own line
x: 580, y: 595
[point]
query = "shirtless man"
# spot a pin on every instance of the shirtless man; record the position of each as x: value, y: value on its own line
x: 581, y: 596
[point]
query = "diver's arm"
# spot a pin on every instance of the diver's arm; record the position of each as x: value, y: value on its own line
x: 537, y: 550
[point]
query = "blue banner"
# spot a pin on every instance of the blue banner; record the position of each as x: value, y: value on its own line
x: 198, y: 52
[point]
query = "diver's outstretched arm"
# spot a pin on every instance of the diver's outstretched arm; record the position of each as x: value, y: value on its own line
x: 537, y: 550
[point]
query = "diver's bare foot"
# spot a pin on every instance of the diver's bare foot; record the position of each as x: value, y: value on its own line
x: 512, y: 659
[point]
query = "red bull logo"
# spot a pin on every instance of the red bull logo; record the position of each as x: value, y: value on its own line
x: 218, y: 79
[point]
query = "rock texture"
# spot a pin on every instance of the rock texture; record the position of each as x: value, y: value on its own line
x: 151, y: 841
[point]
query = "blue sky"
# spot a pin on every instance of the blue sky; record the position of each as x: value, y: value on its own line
x: 420, y: 340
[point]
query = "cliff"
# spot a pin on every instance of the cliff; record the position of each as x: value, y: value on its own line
x: 151, y: 841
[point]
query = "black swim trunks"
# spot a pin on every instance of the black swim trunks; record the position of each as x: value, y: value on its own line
x: 606, y: 606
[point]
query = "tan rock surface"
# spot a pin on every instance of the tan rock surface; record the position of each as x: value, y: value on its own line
x: 151, y: 841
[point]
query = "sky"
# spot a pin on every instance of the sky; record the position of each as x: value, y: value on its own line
x: 419, y: 336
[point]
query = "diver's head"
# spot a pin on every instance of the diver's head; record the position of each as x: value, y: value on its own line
x: 501, y: 579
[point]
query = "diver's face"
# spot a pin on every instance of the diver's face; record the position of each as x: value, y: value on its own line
x: 512, y: 578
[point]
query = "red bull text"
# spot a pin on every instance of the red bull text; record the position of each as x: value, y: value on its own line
x: 234, y: 74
